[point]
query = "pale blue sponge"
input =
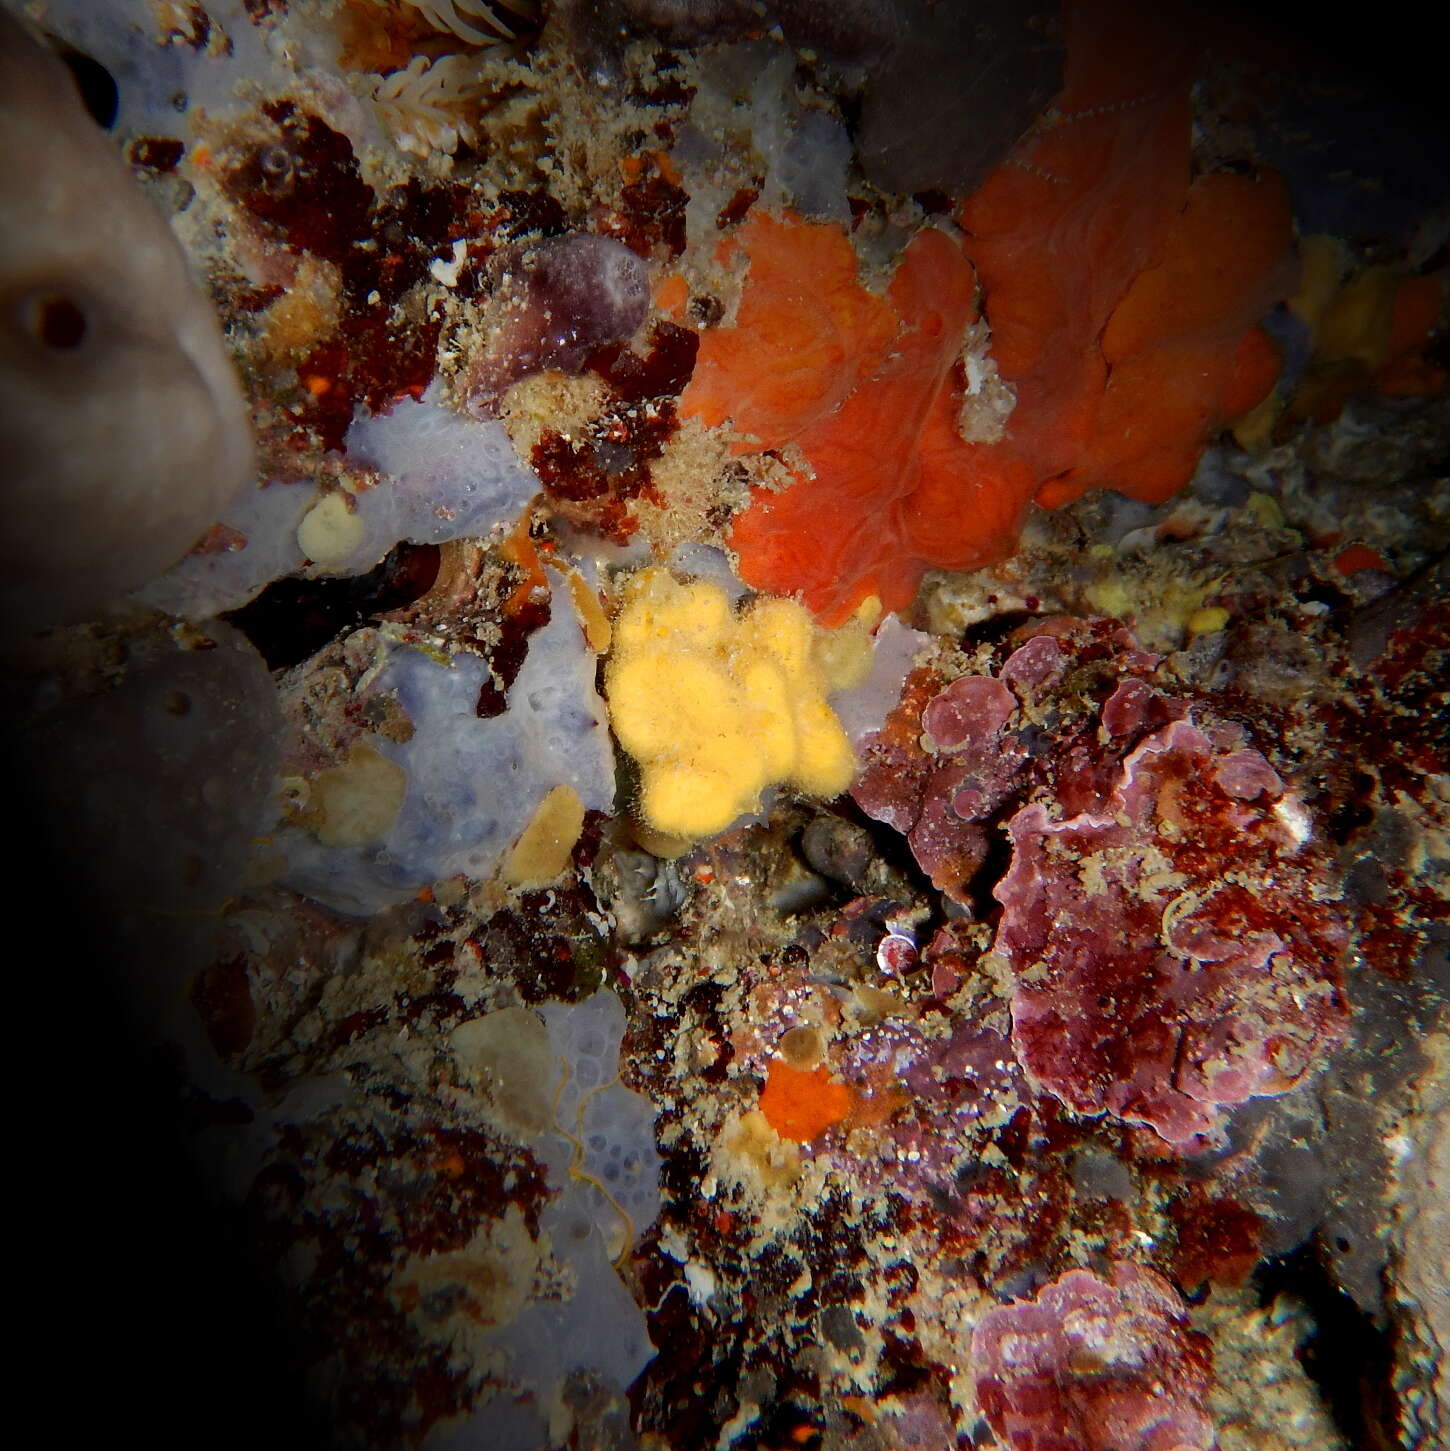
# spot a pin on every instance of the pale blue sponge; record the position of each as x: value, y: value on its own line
x: 603, y: 1156
x: 473, y: 785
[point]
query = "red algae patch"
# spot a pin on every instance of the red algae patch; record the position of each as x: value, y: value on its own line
x: 1171, y: 927
x: 1173, y: 954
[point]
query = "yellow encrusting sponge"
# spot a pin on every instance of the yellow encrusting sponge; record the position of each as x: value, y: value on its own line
x: 716, y: 706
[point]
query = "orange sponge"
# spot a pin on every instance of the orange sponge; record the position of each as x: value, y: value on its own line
x: 802, y: 1105
x: 890, y: 488
x: 1182, y: 348
x: 1060, y: 230
x: 1122, y: 303
x: 1122, y: 300
x: 806, y: 333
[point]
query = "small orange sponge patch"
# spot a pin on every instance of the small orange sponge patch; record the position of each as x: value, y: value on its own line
x: 803, y: 1105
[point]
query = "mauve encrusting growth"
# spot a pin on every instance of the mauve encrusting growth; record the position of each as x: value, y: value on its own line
x: 1093, y: 1364
x: 956, y: 1088
x: 1173, y: 928
x: 557, y: 301
x: 123, y: 430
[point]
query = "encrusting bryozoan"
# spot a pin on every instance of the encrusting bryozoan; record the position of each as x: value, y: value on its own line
x: 123, y: 431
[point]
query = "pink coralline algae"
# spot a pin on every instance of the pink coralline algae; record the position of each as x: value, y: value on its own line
x: 1171, y: 955
x: 951, y: 760
x: 1172, y: 928
x: 1095, y: 1364
x: 939, y: 782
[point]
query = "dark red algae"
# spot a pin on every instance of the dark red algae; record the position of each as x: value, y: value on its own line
x: 651, y: 214
x: 411, y: 1187
x: 159, y: 155
x: 1219, y: 1239
x: 592, y: 478
x: 305, y: 185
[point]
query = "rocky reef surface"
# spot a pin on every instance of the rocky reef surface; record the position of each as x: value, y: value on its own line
x: 1033, y: 417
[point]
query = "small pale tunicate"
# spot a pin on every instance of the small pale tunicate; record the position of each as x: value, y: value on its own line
x: 507, y: 1052
x: 556, y: 302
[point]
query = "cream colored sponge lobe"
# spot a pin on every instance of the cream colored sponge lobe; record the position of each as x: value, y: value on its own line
x: 715, y: 705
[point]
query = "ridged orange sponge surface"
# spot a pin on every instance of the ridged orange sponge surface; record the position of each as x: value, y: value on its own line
x: 890, y: 487
x: 805, y: 335
x: 1059, y: 232
x: 1122, y: 301
x: 1183, y: 350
